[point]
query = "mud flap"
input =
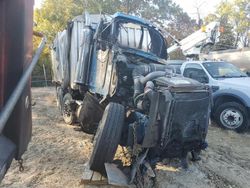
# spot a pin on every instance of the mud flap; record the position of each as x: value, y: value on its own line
x: 7, y: 153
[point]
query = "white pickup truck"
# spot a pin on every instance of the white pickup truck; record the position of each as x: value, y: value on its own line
x: 231, y: 90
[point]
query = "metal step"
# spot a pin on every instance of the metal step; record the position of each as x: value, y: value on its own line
x: 115, y: 177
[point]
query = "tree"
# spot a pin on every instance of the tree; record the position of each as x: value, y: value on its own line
x: 168, y: 15
x: 234, y: 14
x: 210, y: 18
x: 197, y: 5
x: 242, y: 23
x: 53, y: 16
x: 227, y: 37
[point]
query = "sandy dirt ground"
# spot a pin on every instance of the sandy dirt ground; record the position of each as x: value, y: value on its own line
x: 57, y: 153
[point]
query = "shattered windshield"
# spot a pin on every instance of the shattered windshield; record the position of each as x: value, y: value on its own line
x: 223, y: 70
x: 142, y: 38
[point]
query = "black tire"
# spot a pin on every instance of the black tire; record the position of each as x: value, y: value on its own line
x: 67, y: 111
x: 107, y: 137
x: 90, y: 114
x: 59, y: 96
x: 232, y: 116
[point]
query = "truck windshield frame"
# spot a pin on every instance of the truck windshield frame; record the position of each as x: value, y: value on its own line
x: 223, y: 70
x: 157, y: 45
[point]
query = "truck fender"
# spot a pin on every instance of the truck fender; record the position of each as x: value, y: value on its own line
x: 240, y: 96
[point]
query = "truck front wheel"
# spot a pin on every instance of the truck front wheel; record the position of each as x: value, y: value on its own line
x: 233, y: 116
x: 107, y: 137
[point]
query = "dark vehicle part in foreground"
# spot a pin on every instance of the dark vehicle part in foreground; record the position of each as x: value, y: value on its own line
x: 16, y: 65
x: 112, y: 78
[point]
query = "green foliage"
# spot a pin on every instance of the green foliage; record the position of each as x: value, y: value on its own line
x: 53, y: 16
x: 233, y: 17
x: 210, y: 18
x: 227, y: 37
x: 164, y: 12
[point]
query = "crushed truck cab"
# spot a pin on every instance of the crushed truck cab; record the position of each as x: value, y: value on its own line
x: 112, y: 78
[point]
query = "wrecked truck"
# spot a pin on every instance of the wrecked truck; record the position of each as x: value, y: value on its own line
x: 111, y: 77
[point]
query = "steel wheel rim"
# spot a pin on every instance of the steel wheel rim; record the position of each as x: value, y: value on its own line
x: 231, y: 118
